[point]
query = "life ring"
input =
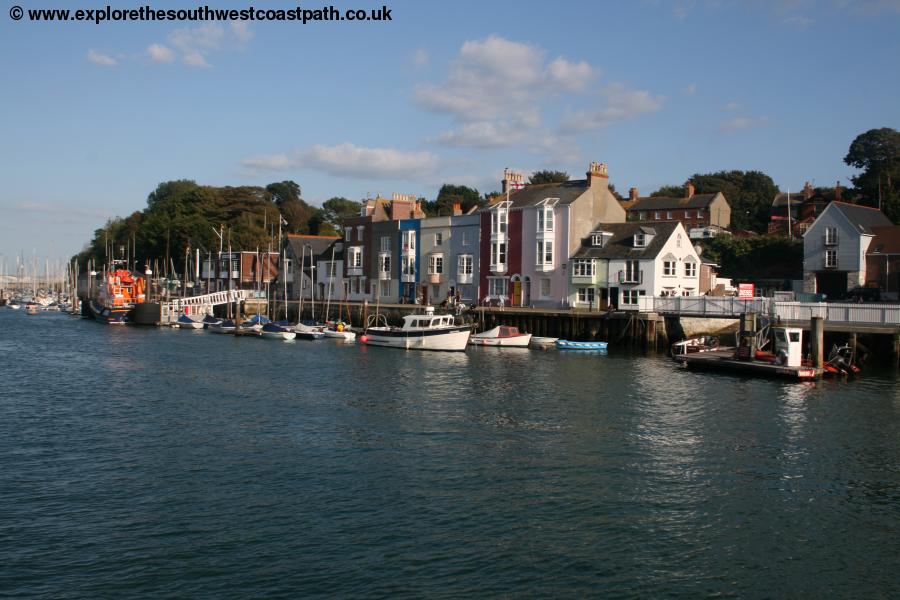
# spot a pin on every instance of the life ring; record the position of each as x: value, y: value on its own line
x: 340, y: 327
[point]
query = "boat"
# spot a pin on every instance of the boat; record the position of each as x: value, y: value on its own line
x: 840, y: 361
x: 570, y: 345
x: 705, y: 343
x: 339, y: 330
x: 32, y: 308
x: 275, y: 331
x: 119, y: 292
x: 543, y: 342
x: 224, y: 326
x: 420, y: 332
x: 253, y: 325
x: 189, y: 322
x: 210, y: 320
x: 13, y: 304
x: 501, y: 336
x: 309, y: 330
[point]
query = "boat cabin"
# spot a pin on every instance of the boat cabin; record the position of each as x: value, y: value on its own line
x: 428, y: 321
x: 788, y: 345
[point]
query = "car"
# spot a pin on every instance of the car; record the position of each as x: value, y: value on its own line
x: 863, y: 294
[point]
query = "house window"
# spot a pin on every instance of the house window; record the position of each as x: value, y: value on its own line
x: 409, y: 241
x: 596, y: 240
x: 545, y: 219
x: 831, y: 236
x: 354, y: 257
x: 498, y: 256
x: 668, y: 268
x: 641, y: 215
x: 409, y: 265
x: 586, y: 295
x: 583, y: 267
x: 632, y: 272
x: 687, y: 214
x: 690, y: 269
x: 385, y: 289
x: 331, y: 267
x: 359, y: 232
x: 499, y: 221
x: 831, y: 259
x: 669, y: 214
x: 544, y: 255
x: 438, y: 239
x: 436, y: 264
x: 630, y: 297
x: 700, y: 213
x: 656, y: 215
x: 347, y: 233
x: 639, y: 240
x: 465, y: 264
x: 385, y: 243
x: 497, y: 286
x: 465, y: 238
x: 678, y: 241
x: 384, y: 263
x: 545, y: 288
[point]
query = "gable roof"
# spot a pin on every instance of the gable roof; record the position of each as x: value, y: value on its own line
x: 318, y: 243
x: 671, y: 203
x: 886, y: 240
x: 532, y: 195
x: 621, y: 244
x: 863, y: 218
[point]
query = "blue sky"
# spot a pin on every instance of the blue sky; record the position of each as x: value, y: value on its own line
x: 95, y: 116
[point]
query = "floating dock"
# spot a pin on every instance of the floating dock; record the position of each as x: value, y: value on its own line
x: 724, y: 361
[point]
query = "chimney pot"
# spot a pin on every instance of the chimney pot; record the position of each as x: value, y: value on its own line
x: 837, y: 191
x: 689, y: 189
x: 457, y: 209
x: 633, y: 194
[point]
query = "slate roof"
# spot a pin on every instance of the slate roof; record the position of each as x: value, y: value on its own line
x: 532, y: 195
x: 886, y: 240
x: 621, y: 244
x: 318, y: 243
x: 670, y: 203
x: 863, y: 217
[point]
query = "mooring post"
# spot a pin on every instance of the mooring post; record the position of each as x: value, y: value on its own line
x: 852, y: 343
x: 817, y: 341
x: 895, y: 349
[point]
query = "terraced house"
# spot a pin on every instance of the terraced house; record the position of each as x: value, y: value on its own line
x: 536, y: 230
x: 700, y: 212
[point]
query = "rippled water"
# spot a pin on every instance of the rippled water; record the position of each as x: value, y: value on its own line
x: 143, y: 462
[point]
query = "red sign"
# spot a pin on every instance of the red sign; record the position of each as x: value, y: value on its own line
x: 746, y: 291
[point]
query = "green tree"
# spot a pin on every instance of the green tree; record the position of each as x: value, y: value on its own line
x: 449, y: 195
x: 283, y: 191
x: 877, y: 153
x: 337, y: 209
x: 669, y: 191
x: 547, y: 176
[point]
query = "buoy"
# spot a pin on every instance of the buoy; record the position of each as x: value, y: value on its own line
x: 364, y: 338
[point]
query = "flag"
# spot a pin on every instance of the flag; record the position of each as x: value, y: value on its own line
x: 283, y: 222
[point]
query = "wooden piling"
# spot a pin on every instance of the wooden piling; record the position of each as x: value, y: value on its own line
x: 817, y: 342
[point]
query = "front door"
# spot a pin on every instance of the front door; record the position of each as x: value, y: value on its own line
x: 614, y: 297
x: 517, y: 293
x: 526, y: 300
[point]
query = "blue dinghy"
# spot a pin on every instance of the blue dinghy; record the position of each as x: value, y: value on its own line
x: 568, y: 345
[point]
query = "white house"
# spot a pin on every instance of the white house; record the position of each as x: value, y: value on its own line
x: 835, y: 246
x: 618, y: 263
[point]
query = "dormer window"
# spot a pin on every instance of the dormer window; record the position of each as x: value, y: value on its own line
x: 599, y: 239
x: 640, y: 240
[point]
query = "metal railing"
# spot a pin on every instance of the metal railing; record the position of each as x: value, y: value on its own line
x: 717, y: 306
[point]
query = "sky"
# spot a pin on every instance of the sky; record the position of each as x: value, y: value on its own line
x: 96, y: 116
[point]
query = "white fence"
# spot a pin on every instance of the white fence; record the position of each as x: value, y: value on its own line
x: 200, y: 305
x: 714, y: 306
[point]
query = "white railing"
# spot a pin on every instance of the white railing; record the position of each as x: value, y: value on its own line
x: 717, y: 306
x: 701, y: 306
x: 170, y: 311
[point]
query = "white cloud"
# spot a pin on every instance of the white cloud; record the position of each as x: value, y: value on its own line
x: 689, y: 90
x: 485, y: 134
x: 160, y: 54
x: 104, y: 60
x: 350, y: 160
x: 620, y: 103
x: 738, y: 123
x: 194, y: 59
x: 241, y: 32
x: 570, y: 76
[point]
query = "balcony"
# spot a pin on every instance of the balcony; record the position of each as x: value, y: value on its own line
x: 434, y: 278
x: 408, y: 278
x: 631, y: 277
x: 354, y: 271
x: 463, y: 278
x: 498, y: 268
x: 384, y: 275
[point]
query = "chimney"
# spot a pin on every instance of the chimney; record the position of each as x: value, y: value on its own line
x: 457, y: 209
x: 598, y: 175
x: 837, y: 191
x: 807, y: 191
x: 512, y: 181
x: 633, y: 194
x: 418, y: 210
x: 688, y: 189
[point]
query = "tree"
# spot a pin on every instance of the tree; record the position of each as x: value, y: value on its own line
x: 335, y: 211
x: 877, y: 153
x: 539, y: 177
x: 449, y: 195
x: 283, y: 191
x: 669, y: 191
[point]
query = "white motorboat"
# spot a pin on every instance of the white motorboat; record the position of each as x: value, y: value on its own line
x: 421, y: 332
x: 189, y: 322
x: 543, y: 342
x: 501, y: 336
x: 277, y: 331
x: 339, y: 330
x: 226, y: 326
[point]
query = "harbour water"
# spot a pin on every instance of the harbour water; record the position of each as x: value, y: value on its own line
x: 165, y: 463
